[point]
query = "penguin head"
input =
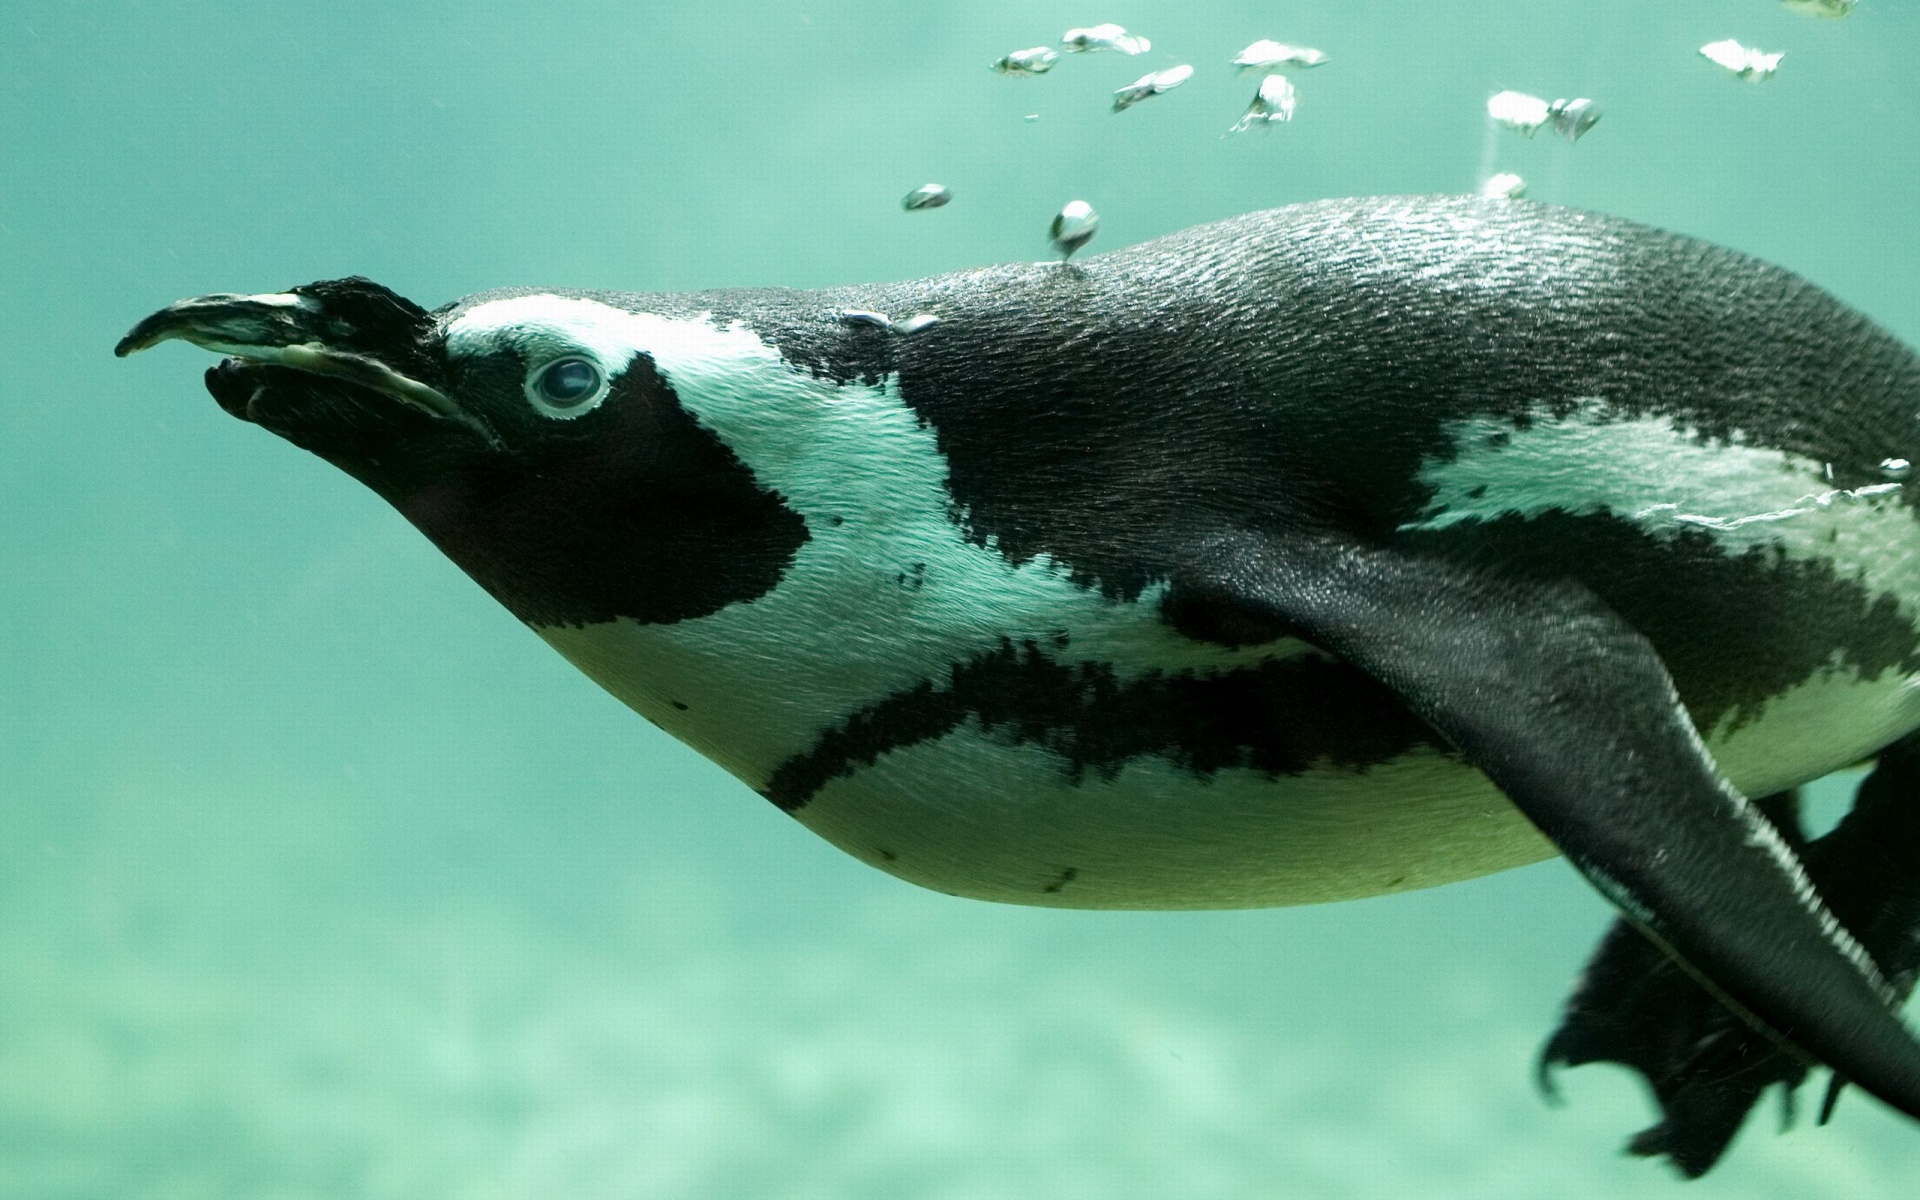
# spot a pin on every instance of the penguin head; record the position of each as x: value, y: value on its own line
x: 526, y: 434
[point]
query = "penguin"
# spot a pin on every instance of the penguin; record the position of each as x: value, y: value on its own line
x: 1318, y: 553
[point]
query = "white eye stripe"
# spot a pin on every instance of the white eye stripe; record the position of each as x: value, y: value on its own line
x: 546, y: 331
x: 545, y: 327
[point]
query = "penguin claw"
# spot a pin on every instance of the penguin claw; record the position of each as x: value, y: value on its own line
x: 1701, y: 1116
x: 1835, y: 1086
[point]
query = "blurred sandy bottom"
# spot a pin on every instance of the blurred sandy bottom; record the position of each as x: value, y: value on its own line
x: 911, y: 1047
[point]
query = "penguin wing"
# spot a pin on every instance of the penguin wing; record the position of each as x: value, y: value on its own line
x: 1570, y: 711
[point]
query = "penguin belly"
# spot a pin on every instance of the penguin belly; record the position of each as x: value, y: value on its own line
x: 978, y: 813
x: 973, y: 815
x: 1022, y: 774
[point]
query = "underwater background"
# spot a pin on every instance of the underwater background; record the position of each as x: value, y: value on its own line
x: 320, y: 877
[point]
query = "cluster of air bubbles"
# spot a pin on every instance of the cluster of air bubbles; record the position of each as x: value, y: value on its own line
x: 1276, y: 99
x: 1273, y: 102
x: 1527, y: 114
x: 1754, y: 65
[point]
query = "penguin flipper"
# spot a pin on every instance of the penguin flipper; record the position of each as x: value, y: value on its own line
x: 1570, y: 712
x: 1706, y: 1067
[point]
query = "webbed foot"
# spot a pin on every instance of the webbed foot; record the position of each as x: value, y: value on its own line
x: 1707, y: 1068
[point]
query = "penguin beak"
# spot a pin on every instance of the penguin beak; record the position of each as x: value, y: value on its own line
x: 288, y: 329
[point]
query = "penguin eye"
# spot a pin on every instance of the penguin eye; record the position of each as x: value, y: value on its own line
x: 566, y: 387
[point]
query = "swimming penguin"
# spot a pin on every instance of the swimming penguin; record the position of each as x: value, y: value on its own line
x: 1342, y: 549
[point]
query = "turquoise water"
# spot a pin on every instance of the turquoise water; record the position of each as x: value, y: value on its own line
x: 321, y: 878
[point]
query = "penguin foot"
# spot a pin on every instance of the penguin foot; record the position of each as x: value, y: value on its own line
x: 1706, y: 1067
